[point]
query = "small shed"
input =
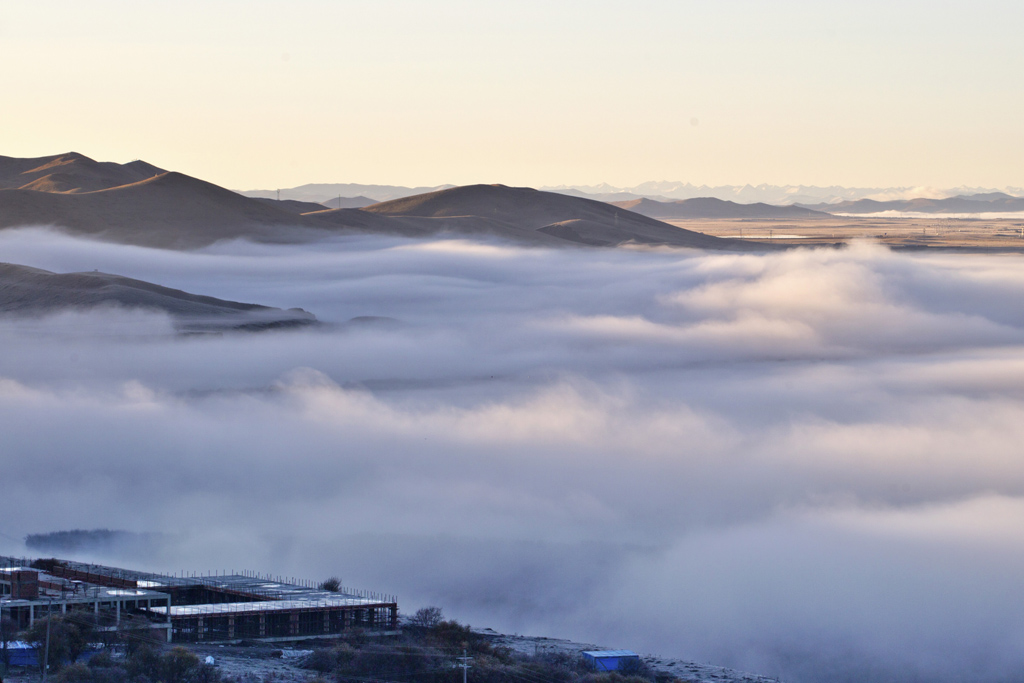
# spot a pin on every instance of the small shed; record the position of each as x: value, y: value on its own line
x: 21, y: 653
x: 609, y: 660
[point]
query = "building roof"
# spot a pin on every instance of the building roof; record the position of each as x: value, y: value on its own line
x: 261, y: 606
x: 87, y: 595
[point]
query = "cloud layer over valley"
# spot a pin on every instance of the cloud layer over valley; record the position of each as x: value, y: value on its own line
x: 804, y: 463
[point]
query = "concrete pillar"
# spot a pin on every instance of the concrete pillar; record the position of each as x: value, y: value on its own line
x: 199, y: 628
x: 117, y: 619
x: 327, y: 621
x: 263, y: 625
x: 293, y: 623
x: 231, y: 627
x: 31, y: 615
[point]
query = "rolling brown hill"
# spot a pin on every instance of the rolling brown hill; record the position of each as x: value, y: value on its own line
x: 26, y: 291
x: 573, y: 219
x: 71, y: 172
x: 426, y: 226
x: 173, y: 210
x: 167, y: 210
x: 292, y: 205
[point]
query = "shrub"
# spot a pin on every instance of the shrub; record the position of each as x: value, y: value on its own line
x: 100, y: 660
x: 635, y: 667
x: 204, y: 673
x: 382, y: 662
x: 74, y: 673
x: 452, y: 634
x: 332, y: 584
x: 321, y: 660
x: 143, y: 663
x: 46, y: 564
x: 177, y: 665
x: 112, y: 674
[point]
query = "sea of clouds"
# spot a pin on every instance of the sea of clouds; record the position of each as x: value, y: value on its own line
x: 806, y: 464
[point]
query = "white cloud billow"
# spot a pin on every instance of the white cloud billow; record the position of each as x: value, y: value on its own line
x: 803, y: 463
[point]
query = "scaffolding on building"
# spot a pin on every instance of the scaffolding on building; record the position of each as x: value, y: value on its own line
x: 212, y: 607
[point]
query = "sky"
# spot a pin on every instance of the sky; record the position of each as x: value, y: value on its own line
x: 804, y: 464
x: 259, y: 95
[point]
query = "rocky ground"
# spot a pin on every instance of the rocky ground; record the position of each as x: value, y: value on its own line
x: 271, y: 663
x: 686, y: 671
x: 258, y: 663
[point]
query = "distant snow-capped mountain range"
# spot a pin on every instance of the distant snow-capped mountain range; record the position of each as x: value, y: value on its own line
x: 769, y: 194
x: 338, y: 194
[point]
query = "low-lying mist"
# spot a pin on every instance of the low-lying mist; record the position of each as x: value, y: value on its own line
x: 806, y: 464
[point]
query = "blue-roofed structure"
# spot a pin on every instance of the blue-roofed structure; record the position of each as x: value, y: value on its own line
x: 22, y: 654
x: 609, y: 660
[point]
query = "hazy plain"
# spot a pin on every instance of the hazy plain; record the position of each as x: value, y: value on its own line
x: 980, y: 233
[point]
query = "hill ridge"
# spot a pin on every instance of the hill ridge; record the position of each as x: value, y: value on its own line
x: 713, y: 207
x: 173, y: 210
x: 989, y: 202
x: 28, y: 291
x: 70, y: 172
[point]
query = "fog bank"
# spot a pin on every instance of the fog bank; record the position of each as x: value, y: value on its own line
x: 805, y: 464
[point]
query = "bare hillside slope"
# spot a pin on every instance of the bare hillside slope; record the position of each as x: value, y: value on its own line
x: 26, y: 291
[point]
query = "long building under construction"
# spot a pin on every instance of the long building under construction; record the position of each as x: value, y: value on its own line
x: 210, y: 608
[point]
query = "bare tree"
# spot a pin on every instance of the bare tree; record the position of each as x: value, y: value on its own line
x: 68, y: 639
x: 426, y: 617
x: 8, y: 631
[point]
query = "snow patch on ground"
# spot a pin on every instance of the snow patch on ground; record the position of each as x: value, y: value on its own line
x: 687, y: 671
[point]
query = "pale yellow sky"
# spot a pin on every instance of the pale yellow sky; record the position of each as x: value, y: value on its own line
x: 271, y: 94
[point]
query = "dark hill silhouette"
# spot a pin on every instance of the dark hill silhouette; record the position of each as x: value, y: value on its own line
x: 348, y: 202
x: 988, y: 196
x: 710, y: 207
x: 569, y: 218
x: 29, y: 291
x: 71, y: 172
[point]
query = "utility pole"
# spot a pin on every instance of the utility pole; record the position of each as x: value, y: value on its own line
x: 46, y: 651
x: 464, y: 664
